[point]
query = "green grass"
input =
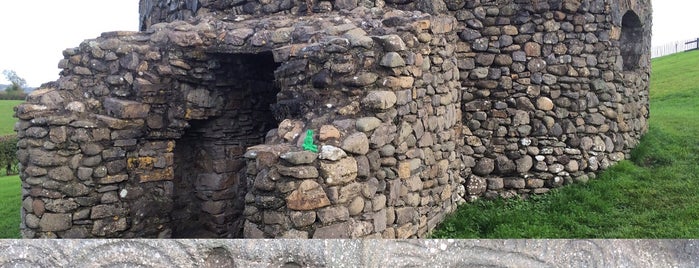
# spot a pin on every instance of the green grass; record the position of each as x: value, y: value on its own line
x: 10, y: 202
x: 652, y: 195
x: 7, y: 122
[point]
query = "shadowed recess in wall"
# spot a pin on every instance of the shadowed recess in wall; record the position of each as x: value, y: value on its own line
x: 631, y: 41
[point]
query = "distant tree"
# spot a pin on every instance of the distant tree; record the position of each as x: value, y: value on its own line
x: 8, y: 154
x: 16, y: 90
x: 18, y: 83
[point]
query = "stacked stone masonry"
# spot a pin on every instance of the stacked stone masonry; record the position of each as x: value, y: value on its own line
x: 196, y: 125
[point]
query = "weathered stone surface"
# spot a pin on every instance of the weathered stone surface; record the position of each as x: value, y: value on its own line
x: 213, y: 207
x: 109, y: 226
x: 366, y: 124
x: 504, y: 165
x: 392, y: 59
x: 332, y: 153
x: 238, y: 36
x: 126, y: 109
x: 391, y: 42
x: 302, y: 218
x: 113, y: 179
x: 524, y: 164
x: 338, y: 230
x: 544, y: 104
x: 339, y: 172
x: 363, y: 166
x: 290, y: 129
x: 32, y: 221
x: 299, y: 157
x: 361, y: 79
x: 476, y: 185
x: 36, y: 132
x: 295, y: 234
x: 532, y: 49
x: 379, y: 100
x: 46, y: 159
x: 61, y: 205
x: 408, y: 167
x: 514, y: 183
x: 53, y: 222
x: 356, y: 143
x: 333, y: 214
x: 328, y: 132
x: 378, y: 253
x: 299, y: 172
x: 383, y: 135
x: 484, y: 166
x: 61, y: 174
x: 58, y: 134
x: 536, y: 65
x: 309, y: 196
x: 356, y: 206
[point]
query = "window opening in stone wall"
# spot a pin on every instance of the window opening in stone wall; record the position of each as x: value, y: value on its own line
x: 631, y: 40
x: 209, y: 167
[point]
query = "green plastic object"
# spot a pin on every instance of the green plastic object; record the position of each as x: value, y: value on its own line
x: 308, y: 142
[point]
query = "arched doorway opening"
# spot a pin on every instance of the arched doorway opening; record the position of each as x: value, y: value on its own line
x: 209, y: 176
x: 631, y: 41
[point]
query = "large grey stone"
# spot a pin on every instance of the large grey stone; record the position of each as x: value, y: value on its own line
x: 299, y: 172
x: 365, y: 124
x: 392, y: 59
x: 299, y: 157
x: 381, y: 100
x: 484, y: 166
x: 339, y: 172
x: 309, y: 196
x: 329, y: 152
x: 356, y: 143
x: 391, y: 42
x: 333, y: 214
x: 126, y: 109
x: 338, y: 230
x: 53, y: 222
x: 61, y: 174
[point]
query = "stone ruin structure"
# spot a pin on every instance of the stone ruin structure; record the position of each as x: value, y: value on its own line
x: 204, y: 123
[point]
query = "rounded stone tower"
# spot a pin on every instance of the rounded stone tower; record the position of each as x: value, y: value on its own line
x: 328, y: 119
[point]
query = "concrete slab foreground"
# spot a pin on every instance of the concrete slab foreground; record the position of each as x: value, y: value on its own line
x: 349, y: 253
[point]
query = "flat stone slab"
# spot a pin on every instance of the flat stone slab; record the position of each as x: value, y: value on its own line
x: 349, y: 253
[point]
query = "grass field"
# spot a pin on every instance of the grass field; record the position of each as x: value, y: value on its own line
x: 10, y: 187
x: 10, y: 202
x: 7, y: 122
x: 652, y: 195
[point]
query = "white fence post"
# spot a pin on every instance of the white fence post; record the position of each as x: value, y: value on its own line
x: 674, y: 47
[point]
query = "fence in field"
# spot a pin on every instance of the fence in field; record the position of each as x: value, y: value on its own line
x: 674, y: 47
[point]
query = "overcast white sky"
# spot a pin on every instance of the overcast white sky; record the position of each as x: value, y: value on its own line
x: 35, y: 32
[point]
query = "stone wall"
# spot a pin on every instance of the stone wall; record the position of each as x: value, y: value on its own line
x: 200, y: 127
x: 547, y: 98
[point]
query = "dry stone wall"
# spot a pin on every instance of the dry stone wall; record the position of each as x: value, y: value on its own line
x: 548, y: 98
x: 209, y: 126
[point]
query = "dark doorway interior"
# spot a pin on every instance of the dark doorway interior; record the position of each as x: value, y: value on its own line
x: 209, y: 180
x: 631, y: 40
